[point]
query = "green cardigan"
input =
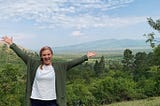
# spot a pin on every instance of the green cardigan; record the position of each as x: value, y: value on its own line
x: 60, y: 73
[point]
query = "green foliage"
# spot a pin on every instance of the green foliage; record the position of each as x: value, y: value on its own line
x: 128, y: 61
x: 92, y: 83
x: 109, y: 89
x: 154, y: 73
x: 102, y: 90
x: 12, y: 85
x: 99, y: 67
x: 141, y: 65
x: 156, y: 52
x: 151, y: 37
x: 83, y: 71
x: 114, y: 65
x: 147, y: 87
x: 154, y: 24
x: 78, y: 94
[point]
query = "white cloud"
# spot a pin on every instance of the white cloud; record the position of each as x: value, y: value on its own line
x: 66, y: 13
x: 77, y: 33
x: 21, y: 36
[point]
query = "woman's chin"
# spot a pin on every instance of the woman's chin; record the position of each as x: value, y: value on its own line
x: 47, y: 63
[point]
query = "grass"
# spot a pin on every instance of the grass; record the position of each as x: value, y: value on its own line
x: 154, y: 101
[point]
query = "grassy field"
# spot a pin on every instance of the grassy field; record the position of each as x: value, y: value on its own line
x: 154, y: 101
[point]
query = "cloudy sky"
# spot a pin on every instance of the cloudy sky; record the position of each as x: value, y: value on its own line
x: 35, y: 23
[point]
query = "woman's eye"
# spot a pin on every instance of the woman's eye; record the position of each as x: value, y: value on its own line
x: 44, y: 55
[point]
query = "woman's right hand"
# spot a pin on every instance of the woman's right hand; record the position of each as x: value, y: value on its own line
x: 7, y: 40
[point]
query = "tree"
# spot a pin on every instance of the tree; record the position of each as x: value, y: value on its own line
x: 156, y: 52
x: 99, y: 67
x: 4, y: 53
x: 11, y: 86
x: 102, y: 64
x: 114, y: 65
x: 128, y: 61
x: 141, y: 65
x: 96, y: 67
x: 151, y: 59
x: 151, y: 37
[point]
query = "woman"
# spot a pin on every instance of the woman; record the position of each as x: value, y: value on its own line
x: 45, y: 79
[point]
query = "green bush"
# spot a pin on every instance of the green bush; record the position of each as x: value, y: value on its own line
x: 110, y: 89
x: 11, y: 86
x: 147, y: 87
x: 79, y: 94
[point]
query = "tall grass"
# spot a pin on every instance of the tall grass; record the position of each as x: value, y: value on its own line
x: 154, y: 101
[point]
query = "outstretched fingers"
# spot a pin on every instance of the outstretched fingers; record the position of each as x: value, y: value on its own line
x: 91, y: 54
x: 7, y: 40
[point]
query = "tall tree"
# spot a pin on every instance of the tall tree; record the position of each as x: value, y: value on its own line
x: 96, y: 67
x: 128, y: 61
x: 156, y: 52
x: 141, y: 65
x: 102, y: 64
x: 99, y: 67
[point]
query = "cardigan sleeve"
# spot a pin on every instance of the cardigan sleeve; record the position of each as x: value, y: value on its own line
x: 20, y: 53
x: 76, y: 62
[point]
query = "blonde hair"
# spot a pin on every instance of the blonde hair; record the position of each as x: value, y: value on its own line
x: 40, y: 53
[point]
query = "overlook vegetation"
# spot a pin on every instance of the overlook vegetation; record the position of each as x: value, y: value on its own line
x: 101, y: 81
x: 97, y: 82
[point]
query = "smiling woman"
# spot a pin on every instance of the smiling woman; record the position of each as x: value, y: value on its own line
x: 46, y: 55
x: 45, y: 78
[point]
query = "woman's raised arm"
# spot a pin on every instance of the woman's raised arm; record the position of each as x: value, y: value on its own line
x: 16, y: 49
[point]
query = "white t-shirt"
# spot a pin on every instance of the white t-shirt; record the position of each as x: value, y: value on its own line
x: 44, y: 84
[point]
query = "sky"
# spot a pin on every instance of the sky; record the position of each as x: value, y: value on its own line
x: 37, y: 23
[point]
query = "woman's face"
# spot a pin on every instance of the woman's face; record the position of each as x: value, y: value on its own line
x: 47, y: 57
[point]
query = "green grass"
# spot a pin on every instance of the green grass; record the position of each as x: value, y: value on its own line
x: 154, y: 101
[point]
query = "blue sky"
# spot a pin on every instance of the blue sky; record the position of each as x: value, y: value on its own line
x: 36, y: 23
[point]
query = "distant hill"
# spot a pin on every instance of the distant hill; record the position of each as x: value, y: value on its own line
x: 104, y: 45
x: 108, y: 45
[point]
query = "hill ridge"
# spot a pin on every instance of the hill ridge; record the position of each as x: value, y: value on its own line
x: 105, y: 44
